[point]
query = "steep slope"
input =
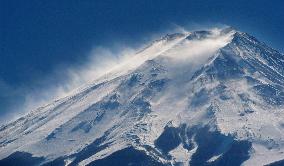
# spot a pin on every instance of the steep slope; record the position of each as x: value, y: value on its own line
x: 203, y: 98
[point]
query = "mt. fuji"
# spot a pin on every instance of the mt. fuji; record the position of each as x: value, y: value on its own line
x: 212, y: 97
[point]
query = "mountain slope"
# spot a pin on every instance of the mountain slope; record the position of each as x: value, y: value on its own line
x: 202, y: 98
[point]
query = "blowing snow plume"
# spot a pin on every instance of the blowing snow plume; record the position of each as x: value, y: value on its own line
x: 104, y: 63
x: 194, y: 48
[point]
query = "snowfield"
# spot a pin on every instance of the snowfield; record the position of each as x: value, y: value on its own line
x: 211, y: 97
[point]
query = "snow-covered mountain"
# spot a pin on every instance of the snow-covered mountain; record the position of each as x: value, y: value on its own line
x: 211, y: 97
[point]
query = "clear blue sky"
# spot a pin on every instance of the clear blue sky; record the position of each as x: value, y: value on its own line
x: 38, y: 35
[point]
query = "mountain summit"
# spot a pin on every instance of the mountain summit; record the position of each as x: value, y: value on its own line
x: 212, y: 97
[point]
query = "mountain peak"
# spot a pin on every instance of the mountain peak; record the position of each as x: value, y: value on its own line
x: 208, y: 97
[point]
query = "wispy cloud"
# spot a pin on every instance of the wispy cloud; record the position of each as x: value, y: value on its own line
x: 63, y: 81
x: 102, y: 60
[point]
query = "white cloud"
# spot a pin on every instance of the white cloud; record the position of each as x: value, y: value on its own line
x: 103, y: 60
x: 100, y: 62
x: 195, y: 50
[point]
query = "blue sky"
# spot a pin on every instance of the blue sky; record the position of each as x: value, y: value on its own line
x: 39, y: 38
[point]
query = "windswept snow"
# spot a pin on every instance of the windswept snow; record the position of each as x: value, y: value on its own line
x: 193, y: 98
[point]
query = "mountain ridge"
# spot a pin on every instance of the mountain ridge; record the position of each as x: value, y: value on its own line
x: 195, y: 99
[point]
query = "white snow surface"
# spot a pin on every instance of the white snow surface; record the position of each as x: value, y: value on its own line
x: 70, y: 124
